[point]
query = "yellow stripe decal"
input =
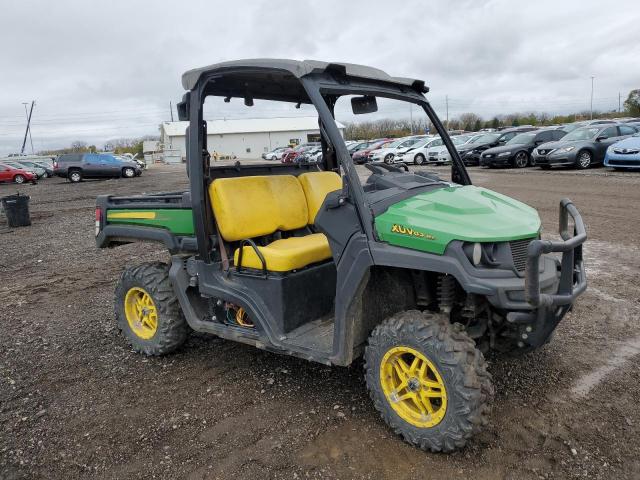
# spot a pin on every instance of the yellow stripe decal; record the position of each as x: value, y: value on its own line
x: 131, y: 215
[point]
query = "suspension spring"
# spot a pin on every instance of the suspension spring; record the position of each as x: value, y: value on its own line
x: 446, y: 292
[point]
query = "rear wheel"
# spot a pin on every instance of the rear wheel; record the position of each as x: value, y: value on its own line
x: 584, y: 159
x: 147, y: 310
x: 428, y: 380
x: 128, y: 172
x: 75, y: 176
x: 18, y: 179
x: 419, y: 159
x: 521, y: 160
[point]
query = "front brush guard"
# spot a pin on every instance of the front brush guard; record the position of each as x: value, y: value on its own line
x: 548, y: 309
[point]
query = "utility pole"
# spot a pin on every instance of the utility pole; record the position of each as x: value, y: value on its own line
x: 171, y: 110
x: 411, y: 116
x: 446, y: 100
x: 619, y: 98
x: 26, y: 132
x: 592, y: 77
x: 29, y: 129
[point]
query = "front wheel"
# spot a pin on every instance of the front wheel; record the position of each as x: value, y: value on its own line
x: 19, y: 179
x: 128, y: 172
x: 147, y: 310
x: 419, y: 159
x: 584, y: 159
x: 521, y: 160
x: 428, y: 380
x: 75, y: 176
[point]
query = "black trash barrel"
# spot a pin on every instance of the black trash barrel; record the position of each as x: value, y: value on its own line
x: 16, y: 208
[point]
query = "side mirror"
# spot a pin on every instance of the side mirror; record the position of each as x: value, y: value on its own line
x: 539, y: 142
x: 366, y: 104
x: 601, y: 138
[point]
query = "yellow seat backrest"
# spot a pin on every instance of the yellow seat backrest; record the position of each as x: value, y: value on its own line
x: 316, y: 186
x: 248, y: 207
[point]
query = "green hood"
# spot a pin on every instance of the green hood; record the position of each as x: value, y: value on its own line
x: 430, y: 220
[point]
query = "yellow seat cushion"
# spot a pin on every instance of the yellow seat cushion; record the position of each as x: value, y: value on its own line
x: 316, y: 186
x: 287, y: 254
x: 249, y: 207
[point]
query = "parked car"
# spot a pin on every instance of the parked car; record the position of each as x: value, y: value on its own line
x: 275, y: 154
x: 37, y: 167
x: 29, y: 166
x: 387, y: 152
x: 417, y: 154
x: 624, y: 154
x: 470, y: 153
x: 16, y: 175
x: 583, y: 147
x: 354, y: 147
x: 441, y: 154
x: 290, y: 155
x: 311, y: 155
x: 48, y: 167
x: 517, y: 151
x: 76, y: 166
x: 362, y: 155
x: 585, y: 123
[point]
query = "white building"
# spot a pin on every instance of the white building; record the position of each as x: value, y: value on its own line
x: 242, y: 138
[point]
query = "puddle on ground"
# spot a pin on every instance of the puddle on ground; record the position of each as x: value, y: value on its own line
x: 624, y: 352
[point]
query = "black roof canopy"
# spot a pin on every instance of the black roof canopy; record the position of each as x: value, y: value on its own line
x: 279, y: 79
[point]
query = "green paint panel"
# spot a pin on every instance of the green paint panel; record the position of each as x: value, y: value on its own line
x: 177, y: 221
x: 430, y: 220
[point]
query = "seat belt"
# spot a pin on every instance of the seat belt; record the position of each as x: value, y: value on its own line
x: 223, y: 251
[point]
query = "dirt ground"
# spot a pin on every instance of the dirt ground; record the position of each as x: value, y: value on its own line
x: 76, y: 402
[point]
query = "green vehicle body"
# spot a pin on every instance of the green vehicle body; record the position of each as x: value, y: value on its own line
x: 429, y: 221
x: 176, y: 221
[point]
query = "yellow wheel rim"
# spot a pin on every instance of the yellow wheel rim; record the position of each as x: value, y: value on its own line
x: 141, y: 313
x: 413, y: 387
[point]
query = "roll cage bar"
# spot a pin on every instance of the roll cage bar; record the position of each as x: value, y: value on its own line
x: 309, y: 82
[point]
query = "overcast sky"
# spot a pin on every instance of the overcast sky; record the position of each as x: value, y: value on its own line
x: 101, y: 70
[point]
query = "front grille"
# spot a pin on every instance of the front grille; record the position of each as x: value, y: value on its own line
x: 519, y: 253
x: 624, y: 163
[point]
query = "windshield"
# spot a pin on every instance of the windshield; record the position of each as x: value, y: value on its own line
x: 486, y: 138
x: 395, y: 144
x: 521, y: 139
x: 410, y: 142
x: 586, y: 133
x: 460, y: 139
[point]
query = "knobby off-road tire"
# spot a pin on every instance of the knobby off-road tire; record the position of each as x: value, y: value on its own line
x: 460, y: 367
x: 170, y: 326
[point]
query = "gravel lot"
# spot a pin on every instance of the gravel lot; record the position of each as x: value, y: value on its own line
x: 76, y: 402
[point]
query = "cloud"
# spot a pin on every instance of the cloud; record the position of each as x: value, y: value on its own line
x: 100, y: 70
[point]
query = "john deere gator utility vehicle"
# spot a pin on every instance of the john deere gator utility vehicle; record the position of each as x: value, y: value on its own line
x: 417, y: 274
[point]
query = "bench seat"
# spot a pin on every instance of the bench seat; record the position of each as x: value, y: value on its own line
x: 254, y: 207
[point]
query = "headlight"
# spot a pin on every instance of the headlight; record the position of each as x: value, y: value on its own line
x: 473, y: 251
x: 504, y: 154
x: 567, y: 149
x: 476, y: 254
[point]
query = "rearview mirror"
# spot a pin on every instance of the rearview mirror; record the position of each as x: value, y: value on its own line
x: 364, y: 104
